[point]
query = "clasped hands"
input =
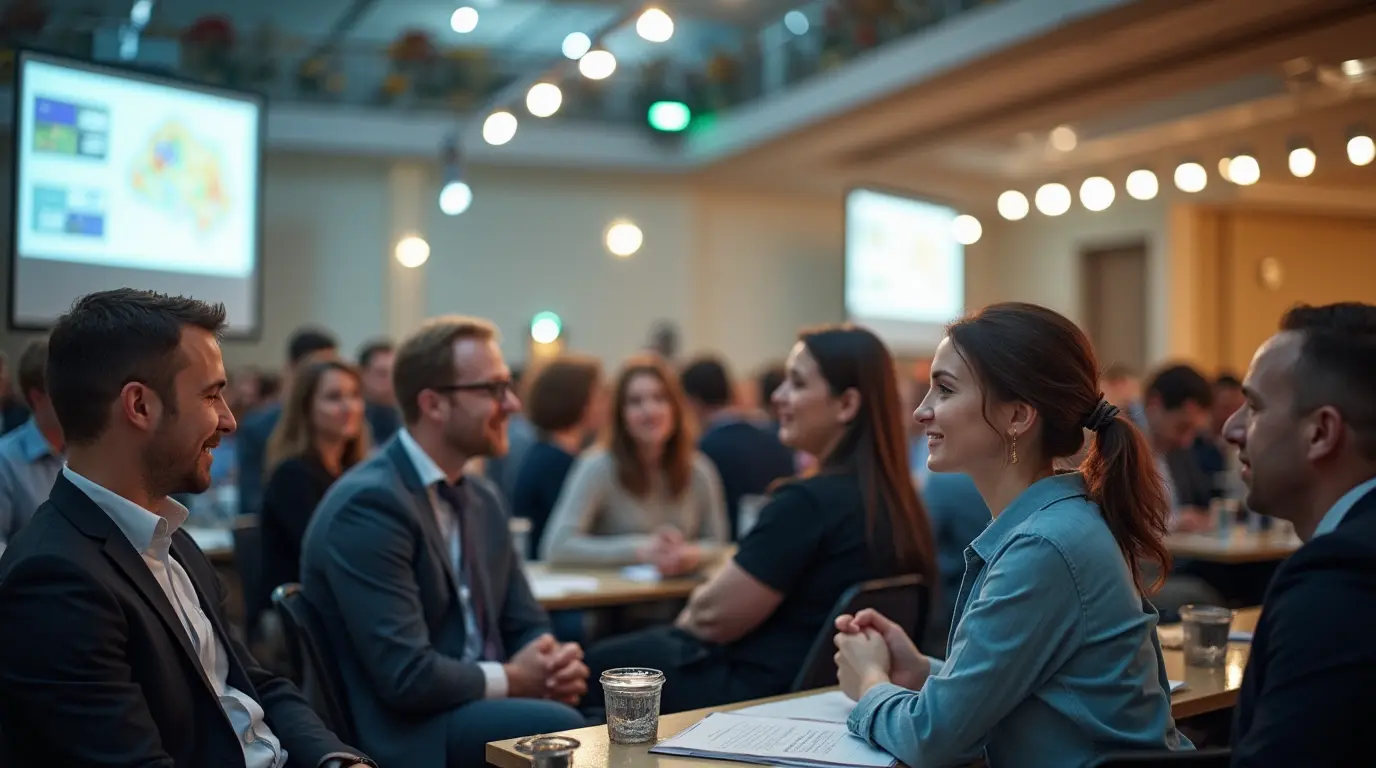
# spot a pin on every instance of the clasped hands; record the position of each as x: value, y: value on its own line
x: 670, y: 553
x: 871, y: 650
x: 548, y: 669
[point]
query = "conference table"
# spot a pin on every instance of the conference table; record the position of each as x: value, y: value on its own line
x: 1206, y: 690
x: 1239, y: 546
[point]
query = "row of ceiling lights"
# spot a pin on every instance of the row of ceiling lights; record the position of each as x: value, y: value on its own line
x: 622, y: 239
x: 1097, y: 193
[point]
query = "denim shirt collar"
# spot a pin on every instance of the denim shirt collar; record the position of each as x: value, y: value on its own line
x: 1038, y: 496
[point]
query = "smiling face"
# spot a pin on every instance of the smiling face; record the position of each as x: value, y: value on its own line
x: 337, y: 407
x: 648, y: 412
x: 1270, y: 435
x: 192, y: 420
x: 811, y: 418
x: 959, y: 437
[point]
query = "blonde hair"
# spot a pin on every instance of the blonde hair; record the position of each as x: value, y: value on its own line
x: 294, y: 435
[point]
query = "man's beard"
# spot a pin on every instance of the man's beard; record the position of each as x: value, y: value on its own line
x: 171, y: 471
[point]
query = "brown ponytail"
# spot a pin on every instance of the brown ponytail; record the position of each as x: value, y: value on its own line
x: 1027, y: 353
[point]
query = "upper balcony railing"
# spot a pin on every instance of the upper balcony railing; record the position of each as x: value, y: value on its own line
x: 721, y: 70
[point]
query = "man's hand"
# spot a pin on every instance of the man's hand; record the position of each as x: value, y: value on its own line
x: 568, y: 675
x: 528, y: 671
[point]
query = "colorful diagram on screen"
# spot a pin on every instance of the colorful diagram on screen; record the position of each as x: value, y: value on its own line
x: 179, y: 174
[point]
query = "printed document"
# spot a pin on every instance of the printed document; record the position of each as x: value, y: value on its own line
x: 774, y: 741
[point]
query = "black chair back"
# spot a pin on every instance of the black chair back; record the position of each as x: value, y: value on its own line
x: 248, y: 564
x: 1217, y: 757
x: 903, y: 599
x: 312, y: 658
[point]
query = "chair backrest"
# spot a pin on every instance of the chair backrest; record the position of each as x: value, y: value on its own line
x: 903, y: 599
x: 311, y: 656
x: 1217, y: 757
x: 248, y: 564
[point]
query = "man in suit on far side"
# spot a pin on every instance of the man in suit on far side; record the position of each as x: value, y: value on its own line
x: 443, y: 647
x: 1307, y: 436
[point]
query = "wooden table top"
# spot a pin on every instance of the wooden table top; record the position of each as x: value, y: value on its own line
x: 1206, y: 690
x: 1240, y: 546
x: 567, y: 589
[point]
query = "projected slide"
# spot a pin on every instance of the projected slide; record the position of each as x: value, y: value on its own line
x: 905, y: 273
x: 119, y: 171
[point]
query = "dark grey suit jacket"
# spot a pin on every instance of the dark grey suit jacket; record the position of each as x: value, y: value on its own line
x: 375, y: 566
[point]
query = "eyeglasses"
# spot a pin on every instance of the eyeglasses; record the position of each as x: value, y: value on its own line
x: 497, y: 390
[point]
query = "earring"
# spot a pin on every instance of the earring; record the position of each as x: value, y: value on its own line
x: 1014, y: 458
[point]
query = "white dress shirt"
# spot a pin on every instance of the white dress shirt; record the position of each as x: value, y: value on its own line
x: 151, y: 536
x: 430, y: 476
x: 1339, y: 510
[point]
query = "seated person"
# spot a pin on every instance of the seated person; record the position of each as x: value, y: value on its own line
x: 31, y: 456
x: 1308, y: 439
x: 564, y: 403
x: 117, y: 651
x: 321, y: 435
x: 746, y: 633
x: 646, y: 495
x: 1054, y: 658
x: 441, y: 645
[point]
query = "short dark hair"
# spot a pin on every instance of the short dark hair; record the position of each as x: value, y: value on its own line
x: 1338, y: 364
x: 560, y: 391
x: 33, y: 369
x: 111, y: 338
x: 308, y: 341
x: 1227, y: 381
x: 373, y: 349
x: 706, y: 381
x: 425, y: 359
x: 1177, y: 385
x: 770, y: 379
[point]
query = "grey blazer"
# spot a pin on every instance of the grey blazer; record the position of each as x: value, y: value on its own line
x: 374, y: 565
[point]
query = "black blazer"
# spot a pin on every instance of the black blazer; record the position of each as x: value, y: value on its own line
x: 374, y: 565
x: 96, y: 668
x: 1306, y: 694
x: 294, y: 491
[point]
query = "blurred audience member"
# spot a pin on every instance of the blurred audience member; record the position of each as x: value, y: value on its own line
x: 321, y: 434
x: 12, y: 410
x: 1212, y: 454
x: 521, y: 436
x: 646, y: 495
x: 375, y: 368
x: 769, y: 381
x: 747, y: 455
x: 1178, y: 399
x: 251, y: 445
x: 1122, y: 388
x: 32, y: 455
x: 564, y: 404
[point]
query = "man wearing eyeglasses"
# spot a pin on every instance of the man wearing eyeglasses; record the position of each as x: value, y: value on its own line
x: 441, y: 645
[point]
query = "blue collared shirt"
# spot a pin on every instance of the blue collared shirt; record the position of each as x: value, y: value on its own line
x: 28, y: 469
x: 151, y: 537
x: 1335, y: 514
x: 1054, y: 657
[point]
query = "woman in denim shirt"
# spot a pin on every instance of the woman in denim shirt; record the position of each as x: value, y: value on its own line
x: 1054, y: 658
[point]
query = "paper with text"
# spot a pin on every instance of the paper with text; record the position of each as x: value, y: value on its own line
x: 774, y: 741
x: 829, y: 707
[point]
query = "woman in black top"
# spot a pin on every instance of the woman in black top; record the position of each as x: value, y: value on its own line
x: 747, y: 631
x: 321, y: 433
x: 563, y: 402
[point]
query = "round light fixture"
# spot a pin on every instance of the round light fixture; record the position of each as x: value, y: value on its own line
x: 796, y: 22
x: 464, y: 20
x: 1244, y: 170
x: 1142, y: 184
x: 1013, y: 205
x: 455, y: 198
x: 499, y: 128
x: 1063, y: 138
x: 1191, y: 177
x: 1097, y: 193
x: 575, y: 45
x: 655, y: 25
x: 412, y: 251
x: 544, y: 99
x: 624, y: 238
x: 966, y: 229
x: 1361, y: 150
x: 1225, y: 168
x: 1302, y: 162
x: 545, y: 328
x: 597, y: 65
x: 1053, y: 199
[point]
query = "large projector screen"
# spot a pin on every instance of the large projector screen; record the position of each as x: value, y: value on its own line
x: 125, y: 179
x: 905, y: 272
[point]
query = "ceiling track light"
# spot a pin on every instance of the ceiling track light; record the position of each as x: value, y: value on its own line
x: 1243, y: 169
x: 1301, y: 158
x: 1360, y: 148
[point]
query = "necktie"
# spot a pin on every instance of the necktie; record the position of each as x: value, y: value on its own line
x: 457, y: 498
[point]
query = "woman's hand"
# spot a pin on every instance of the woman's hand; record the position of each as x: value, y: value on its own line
x: 907, y: 667
x: 862, y: 662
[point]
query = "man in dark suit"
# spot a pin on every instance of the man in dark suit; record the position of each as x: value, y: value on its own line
x: 115, y: 651
x: 251, y: 441
x: 443, y: 647
x: 375, y: 370
x: 1307, y: 436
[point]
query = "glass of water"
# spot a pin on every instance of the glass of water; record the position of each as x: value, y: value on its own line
x: 632, y: 696
x: 1206, y: 634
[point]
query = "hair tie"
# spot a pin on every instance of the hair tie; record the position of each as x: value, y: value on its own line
x: 1103, y: 415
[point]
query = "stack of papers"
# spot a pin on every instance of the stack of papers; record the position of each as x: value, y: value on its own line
x: 830, y: 707
x: 641, y: 574
x: 773, y: 741
x: 547, y: 586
